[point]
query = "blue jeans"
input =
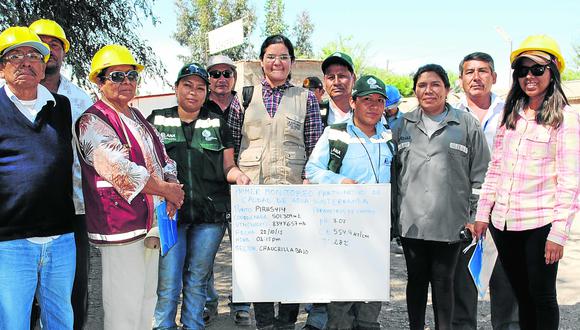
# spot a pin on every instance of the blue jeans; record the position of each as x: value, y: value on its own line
x: 212, y: 300
x: 188, y: 264
x: 46, y: 270
x: 317, y: 315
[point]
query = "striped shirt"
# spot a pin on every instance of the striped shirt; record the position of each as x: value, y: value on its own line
x: 534, y: 177
x: 271, y: 98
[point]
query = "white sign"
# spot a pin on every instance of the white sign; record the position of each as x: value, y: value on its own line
x: 311, y: 243
x: 227, y: 36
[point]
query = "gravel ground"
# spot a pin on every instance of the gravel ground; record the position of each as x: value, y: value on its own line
x: 393, y: 314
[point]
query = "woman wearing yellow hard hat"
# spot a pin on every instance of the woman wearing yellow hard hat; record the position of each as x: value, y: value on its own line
x: 532, y: 184
x: 126, y: 174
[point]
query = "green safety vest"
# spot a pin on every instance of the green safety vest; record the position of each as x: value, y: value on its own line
x: 207, y: 191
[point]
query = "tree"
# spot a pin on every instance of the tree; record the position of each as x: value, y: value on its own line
x: 274, y: 21
x: 404, y: 83
x: 195, y: 18
x: 576, y: 58
x: 89, y: 25
x: 302, y: 32
x: 358, y: 52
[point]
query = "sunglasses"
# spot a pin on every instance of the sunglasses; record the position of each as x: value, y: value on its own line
x: 194, y: 69
x: 216, y: 74
x: 537, y: 70
x: 119, y: 76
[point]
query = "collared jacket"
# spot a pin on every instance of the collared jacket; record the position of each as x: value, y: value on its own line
x: 118, y: 155
x: 198, y: 150
x: 439, y: 178
x: 492, y: 118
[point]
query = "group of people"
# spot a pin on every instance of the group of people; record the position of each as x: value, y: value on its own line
x: 482, y: 164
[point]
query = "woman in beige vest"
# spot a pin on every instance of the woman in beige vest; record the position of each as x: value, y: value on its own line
x: 274, y: 137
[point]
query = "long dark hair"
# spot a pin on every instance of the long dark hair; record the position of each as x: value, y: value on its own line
x: 550, y: 111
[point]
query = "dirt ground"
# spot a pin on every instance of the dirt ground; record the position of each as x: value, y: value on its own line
x: 394, y: 313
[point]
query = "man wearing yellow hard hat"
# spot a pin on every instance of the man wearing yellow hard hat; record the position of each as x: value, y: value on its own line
x: 51, y: 33
x: 37, y: 246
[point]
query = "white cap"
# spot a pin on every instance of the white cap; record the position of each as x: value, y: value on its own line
x: 220, y: 59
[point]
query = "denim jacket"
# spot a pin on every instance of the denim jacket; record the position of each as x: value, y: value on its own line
x: 439, y: 178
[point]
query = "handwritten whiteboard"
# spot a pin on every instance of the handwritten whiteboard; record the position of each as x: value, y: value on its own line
x: 311, y: 243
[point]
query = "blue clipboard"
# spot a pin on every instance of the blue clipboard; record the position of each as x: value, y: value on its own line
x: 167, y: 228
x: 475, y: 266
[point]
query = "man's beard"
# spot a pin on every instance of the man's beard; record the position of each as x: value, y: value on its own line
x: 51, y: 69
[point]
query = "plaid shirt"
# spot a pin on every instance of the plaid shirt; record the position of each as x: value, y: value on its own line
x: 271, y: 97
x: 534, y: 177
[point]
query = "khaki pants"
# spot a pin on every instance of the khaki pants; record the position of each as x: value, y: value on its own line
x: 129, y: 286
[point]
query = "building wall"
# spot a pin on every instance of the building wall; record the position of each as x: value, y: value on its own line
x: 146, y: 104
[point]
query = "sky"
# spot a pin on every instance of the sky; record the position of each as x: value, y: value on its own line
x: 403, y: 35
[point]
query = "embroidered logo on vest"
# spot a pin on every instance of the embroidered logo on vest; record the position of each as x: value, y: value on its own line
x: 207, y: 135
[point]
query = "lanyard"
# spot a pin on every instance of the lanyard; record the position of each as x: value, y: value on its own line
x: 369, y: 157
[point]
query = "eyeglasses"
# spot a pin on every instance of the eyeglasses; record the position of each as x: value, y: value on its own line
x: 537, y: 70
x: 282, y: 58
x: 19, y: 58
x: 119, y: 76
x: 216, y: 74
x: 392, y: 107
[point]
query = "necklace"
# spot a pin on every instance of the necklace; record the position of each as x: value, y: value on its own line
x: 369, y: 157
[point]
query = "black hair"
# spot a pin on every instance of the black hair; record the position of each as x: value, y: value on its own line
x: 438, y: 69
x: 477, y: 56
x: 549, y: 113
x: 277, y: 39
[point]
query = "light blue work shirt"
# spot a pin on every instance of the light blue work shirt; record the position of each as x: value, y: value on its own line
x: 357, y: 161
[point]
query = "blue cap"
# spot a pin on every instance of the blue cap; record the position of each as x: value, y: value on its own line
x: 393, y: 95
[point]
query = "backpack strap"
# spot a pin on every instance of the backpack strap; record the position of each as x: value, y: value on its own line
x: 247, y: 93
x: 338, y: 146
x: 324, y: 109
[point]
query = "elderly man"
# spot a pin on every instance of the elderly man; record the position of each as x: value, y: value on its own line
x: 37, y: 246
x: 477, y: 75
x: 52, y: 34
x: 339, y: 78
x: 222, y: 80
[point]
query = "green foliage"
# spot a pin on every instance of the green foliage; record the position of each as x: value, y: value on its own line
x: 274, y: 21
x: 404, y: 83
x: 357, y: 51
x: 576, y: 58
x: 454, y: 81
x: 570, y: 74
x: 89, y: 25
x: 302, y: 32
x: 195, y: 18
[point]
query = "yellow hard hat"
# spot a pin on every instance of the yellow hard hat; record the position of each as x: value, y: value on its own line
x: 543, y: 43
x: 20, y: 36
x: 111, y: 55
x: 50, y: 28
